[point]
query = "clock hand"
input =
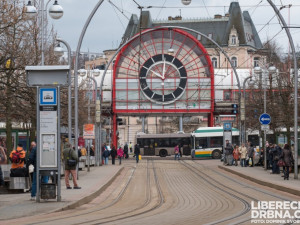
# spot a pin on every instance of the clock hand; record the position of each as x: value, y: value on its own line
x: 157, y: 74
x: 164, y: 69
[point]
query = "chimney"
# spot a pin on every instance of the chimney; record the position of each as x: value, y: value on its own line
x: 218, y: 16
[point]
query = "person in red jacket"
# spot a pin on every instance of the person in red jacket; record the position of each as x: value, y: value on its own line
x: 120, y: 154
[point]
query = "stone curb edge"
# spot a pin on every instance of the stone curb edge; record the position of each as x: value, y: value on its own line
x: 90, y: 197
x: 264, y: 183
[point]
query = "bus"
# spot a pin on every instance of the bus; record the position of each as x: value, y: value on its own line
x: 208, y: 142
x: 163, y: 144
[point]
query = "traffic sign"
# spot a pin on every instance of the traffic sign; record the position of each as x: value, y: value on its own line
x: 265, y: 127
x: 265, y: 119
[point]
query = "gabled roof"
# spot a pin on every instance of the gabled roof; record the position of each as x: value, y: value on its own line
x: 219, y: 27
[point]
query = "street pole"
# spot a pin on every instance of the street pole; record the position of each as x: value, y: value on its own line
x: 244, y: 123
x: 69, y: 90
x: 265, y: 111
x: 96, y: 127
x: 291, y: 42
x: 76, y: 68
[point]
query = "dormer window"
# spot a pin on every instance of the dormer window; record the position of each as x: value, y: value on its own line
x: 233, y: 40
x: 233, y: 37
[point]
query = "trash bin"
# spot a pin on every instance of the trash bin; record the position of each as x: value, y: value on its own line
x: 48, y: 191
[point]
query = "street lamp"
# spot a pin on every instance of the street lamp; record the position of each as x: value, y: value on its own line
x: 59, y: 51
x: 271, y: 70
x: 243, y: 108
x: 96, y: 73
x: 55, y: 12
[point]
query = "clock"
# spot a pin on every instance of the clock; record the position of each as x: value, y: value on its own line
x: 163, y: 79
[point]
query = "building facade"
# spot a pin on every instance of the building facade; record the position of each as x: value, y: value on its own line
x: 234, y: 32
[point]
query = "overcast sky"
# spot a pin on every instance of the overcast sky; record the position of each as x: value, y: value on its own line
x: 109, y: 23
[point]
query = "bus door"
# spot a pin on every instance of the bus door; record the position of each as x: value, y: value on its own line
x: 149, y: 148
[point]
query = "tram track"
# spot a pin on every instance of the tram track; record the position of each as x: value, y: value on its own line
x: 121, y: 193
x: 232, y: 193
x: 136, y: 211
x: 149, y: 198
x: 260, y: 190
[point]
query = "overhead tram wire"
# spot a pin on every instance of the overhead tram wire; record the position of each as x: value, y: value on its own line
x: 121, y: 11
x: 161, y: 9
x: 119, y: 18
x: 210, y: 6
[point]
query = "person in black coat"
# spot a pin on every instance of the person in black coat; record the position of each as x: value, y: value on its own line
x: 126, y: 151
x: 137, y: 152
x: 113, y: 154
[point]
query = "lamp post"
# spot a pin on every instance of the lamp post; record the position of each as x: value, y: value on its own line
x: 95, y: 72
x: 244, y: 108
x: 55, y: 12
x: 59, y: 51
x: 271, y: 70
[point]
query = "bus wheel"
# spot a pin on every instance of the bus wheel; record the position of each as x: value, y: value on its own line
x: 163, y: 153
x: 216, y: 154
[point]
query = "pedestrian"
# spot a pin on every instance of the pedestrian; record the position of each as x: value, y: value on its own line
x: 228, y: 153
x: 243, y: 155
x: 105, y: 155
x: 3, y: 160
x: 92, y: 150
x: 120, y: 154
x: 126, y: 151
x: 236, y: 155
x: 83, y: 151
x: 32, y: 161
x: 17, y: 157
x: 70, y: 161
x: 113, y: 154
x: 130, y: 147
x: 250, y: 153
x: 180, y: 153
x: 276, y: 152
x: 288, y: 160
x: 137, y: 152
x: 176, y: 152
x: 271, y: 156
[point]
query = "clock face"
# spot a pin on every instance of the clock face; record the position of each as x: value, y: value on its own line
x: 163, y: 79
x: 165, y: 70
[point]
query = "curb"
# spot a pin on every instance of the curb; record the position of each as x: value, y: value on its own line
x: 264, y: 183
x: 90, y: 197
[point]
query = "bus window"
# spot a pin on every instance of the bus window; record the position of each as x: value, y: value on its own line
x: 140, y: 141
x: 162, y: 142
x: 174, y: 142
x: 235, y: 140
x: 201, y: 142
x: 216, y: 142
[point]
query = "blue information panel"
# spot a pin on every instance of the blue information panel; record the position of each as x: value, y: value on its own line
x: 227, y: 126
x: 265, y: 119
x: 48, y: 96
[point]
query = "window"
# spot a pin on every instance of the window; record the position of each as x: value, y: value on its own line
x: 214, y: 62
x: 256, y: 61
x: 233, y: 40
x: 227, y: 95
x: 210, y: 35
x: 199, y: 37
x: 234, y: 61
